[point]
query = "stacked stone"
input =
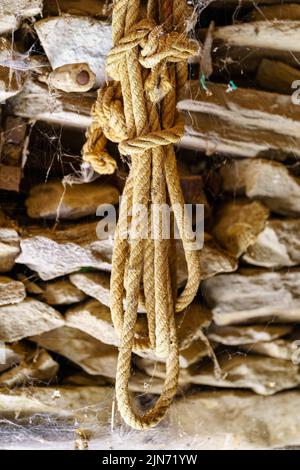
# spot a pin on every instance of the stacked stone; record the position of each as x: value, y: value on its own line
x: 238, y: 157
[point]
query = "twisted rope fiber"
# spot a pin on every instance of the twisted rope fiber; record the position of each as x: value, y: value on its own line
x: 138, y: 110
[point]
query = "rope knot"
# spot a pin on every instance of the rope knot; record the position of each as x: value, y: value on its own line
x: 135, y: 37
x: 142, y: 143
x: 108, y: 122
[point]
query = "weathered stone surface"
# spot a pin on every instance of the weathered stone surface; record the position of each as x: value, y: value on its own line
x: 76, y: 78
x: 213, y: 260
x: 27, y: 318
x: 61, y: 292
x: 278, y: 245
x: 239, y: 223
x: 39, y: 368
x: 54, y: 201
x: 31, y: 286
x: 263, y: 375
x: 259, y: 422
x: 94, y: 357
x: 247, y: 335
x: 9, y: 248
x: 65, y: 250
x: 97, y: 285
x: 254, y: 296
x: 93, y: 318
x: 13, y: 11
x: 279, y: 348
x: 94, y: 284
x: 68, y: 109
x: 11, y: 355
x: 277, y: 76
x: 69, y: 39
x: 11, y: 291
x: 246, y: 123
x: 278, y: 35
x: 9, y: 243
x: 64, y: 401
x: 253, y: 177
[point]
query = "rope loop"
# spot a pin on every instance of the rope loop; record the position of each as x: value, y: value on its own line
x: 137, y: 109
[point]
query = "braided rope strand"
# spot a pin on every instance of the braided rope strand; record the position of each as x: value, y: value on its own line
x: 137, y: 109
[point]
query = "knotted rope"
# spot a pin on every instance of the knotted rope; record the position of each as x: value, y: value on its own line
x: 138, y: 110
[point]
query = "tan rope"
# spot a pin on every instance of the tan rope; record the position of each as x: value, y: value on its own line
x: 138, y: 110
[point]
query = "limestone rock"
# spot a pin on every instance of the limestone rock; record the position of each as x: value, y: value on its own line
x: 37, y: 369
x: 94, y: 357
x: 278, y: 245
x: 254, y: 296
x: 11, y: 355
x: 214, y: 260
x: 247, y: 335
x: 238, y: 225
x: 72, y: 78
x: 52, y: 200
x: 246, y: 123
x: 13, y: 11
x: 64, y: 401
x: 66, y: 250
x: 9, y: 244
x: 94, y: 284
x: 279, y: 348
x: 253, y: 177
x: 93, y: 318
x: 67, y: 109
x: 69, y: 39
x: 278, y: 35
x: 263, y: 375
x: 61, y: 292
x: 259, y: 422
x: 27, y: 318
x: 190, y: 324
x: 97, y: 285
x: 30, y: 285
x: 11, y: 291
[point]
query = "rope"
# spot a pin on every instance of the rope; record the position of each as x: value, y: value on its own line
x: 138, y: 111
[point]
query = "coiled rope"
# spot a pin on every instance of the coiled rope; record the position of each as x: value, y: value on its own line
x: 148, y: 64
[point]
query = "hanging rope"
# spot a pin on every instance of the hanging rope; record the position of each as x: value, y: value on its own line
x: 138, y: 110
